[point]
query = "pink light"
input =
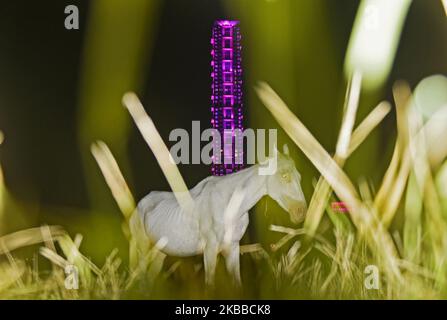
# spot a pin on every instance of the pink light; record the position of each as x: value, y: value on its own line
x: 226, y: 92
x: 227, y: 23
x: 339, y: 207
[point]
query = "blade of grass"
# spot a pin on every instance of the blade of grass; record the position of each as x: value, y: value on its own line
x: 161, y: 152
x: 53, y: 257
x: 28, y: 237
x: 391, y: 203
x: 412, y: 235
x: 436, y: 133
x: 393, y: 184
x: 363, y: 130
x: 114, y: 178
x: 441, y: 182
x: 349, y: 114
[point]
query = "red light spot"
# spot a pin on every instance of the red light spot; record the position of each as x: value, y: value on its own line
x: 339, y: 207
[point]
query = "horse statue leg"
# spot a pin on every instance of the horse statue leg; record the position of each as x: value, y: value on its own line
x: 231, y: 255
x: 231, y: 250
x: 210, y: 261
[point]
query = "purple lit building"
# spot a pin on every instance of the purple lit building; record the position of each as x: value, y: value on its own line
x: 226, y: 98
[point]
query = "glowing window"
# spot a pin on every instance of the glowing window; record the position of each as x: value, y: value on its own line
x: 227, y: 43
x: 228, y: 113
x: 227, y: 66
x: 228, y: 77
x: 228, y: 89
x: 228, y: 101
x: 228, y: 54
x: 226, y: 32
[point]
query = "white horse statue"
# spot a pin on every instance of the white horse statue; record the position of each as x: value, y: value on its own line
x: 204, y: 231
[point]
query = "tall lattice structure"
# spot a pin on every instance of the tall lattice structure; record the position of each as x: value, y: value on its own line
x: 226, y: 98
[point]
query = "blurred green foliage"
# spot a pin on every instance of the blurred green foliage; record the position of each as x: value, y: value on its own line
x: 298, y: 47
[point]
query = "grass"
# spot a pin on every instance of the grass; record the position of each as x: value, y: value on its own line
x: 325, y: 258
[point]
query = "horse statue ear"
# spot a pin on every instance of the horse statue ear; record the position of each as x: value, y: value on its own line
x: 285, y: 149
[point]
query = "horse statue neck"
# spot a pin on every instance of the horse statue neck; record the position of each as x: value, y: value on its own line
x: 249, y: 180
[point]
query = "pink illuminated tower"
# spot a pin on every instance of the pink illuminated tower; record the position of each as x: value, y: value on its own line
x: 226, y: 98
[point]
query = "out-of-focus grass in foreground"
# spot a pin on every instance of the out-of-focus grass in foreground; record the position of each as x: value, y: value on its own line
x: 401, y: 228
x: 320, y: 262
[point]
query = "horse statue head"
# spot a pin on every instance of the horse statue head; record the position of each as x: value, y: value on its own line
x: 284, y: 186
